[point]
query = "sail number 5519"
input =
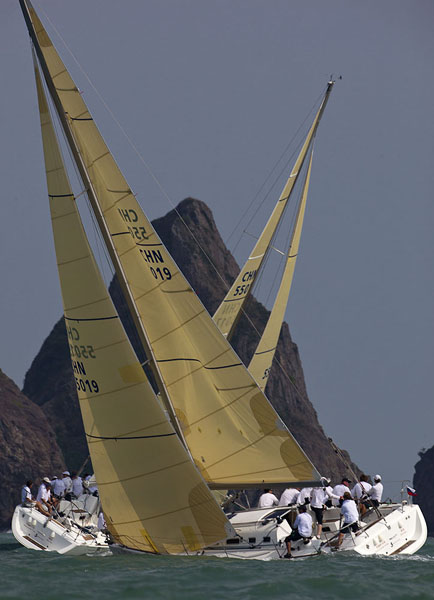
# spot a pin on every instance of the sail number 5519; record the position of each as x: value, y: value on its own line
x: 163, y: 274
x: 84, y: 385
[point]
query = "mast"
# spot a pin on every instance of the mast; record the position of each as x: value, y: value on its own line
x: 101, y: 223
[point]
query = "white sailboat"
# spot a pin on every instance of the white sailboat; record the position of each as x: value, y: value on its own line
x: 73, y: 528
x: 158, y: 458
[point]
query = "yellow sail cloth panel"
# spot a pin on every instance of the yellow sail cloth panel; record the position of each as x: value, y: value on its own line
x: 260, y: 363
x: 233, y: 433
x: 229, y: 311
x: 154, y: 498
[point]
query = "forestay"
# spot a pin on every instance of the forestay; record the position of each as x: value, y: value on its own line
x: 233, y: 433
x: 229, y: 311
x: 153, y: 496
x: 261, y: 361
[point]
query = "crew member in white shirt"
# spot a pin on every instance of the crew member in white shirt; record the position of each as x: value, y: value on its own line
x: 339, y: 491
x: 359, y: 492
x: 318, y: 499
x: 289, y: 497
x: 57, y: 488
x: 66, y: 478
x: 351, y: 516
x: 302, y: 529
x: 267, y: 499
x: 376, y: 491
x: 43, y: 499
x: 77, y: 485
x: 304, y: 495
x: 26, y: 494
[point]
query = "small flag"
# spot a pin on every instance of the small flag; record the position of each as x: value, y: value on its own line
x: 411, y: 491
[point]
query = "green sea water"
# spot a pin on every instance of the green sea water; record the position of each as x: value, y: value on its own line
x: 27, y: 574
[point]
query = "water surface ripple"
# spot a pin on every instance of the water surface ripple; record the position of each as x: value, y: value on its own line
x: 37, y: 575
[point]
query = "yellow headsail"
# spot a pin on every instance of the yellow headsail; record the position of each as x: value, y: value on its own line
x: 260, y: 363
x: 153, y: 496
x: 234, y: 435
x: 229, y: 311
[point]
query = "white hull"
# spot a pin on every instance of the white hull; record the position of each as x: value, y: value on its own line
x: 403, y: 530
x: 38, y: 532
x: 398, y: 529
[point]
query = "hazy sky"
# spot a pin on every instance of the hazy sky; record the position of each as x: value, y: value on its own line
x: 211, y: 92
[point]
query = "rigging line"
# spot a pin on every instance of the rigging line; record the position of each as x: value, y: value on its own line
x: 273, y: 242
x: 271, y: 173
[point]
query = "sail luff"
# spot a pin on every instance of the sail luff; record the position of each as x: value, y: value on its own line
x: 88, y: 185
x: 231, y: 429
x: 154, y: 498
x: 261, y: 361
x: 228, y: 313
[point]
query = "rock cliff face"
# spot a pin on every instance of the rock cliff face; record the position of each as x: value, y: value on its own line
x: 54, y: 391
x: 423, y: 482
x: 28, y: 446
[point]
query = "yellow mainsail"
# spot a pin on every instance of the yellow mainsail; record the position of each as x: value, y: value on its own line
x: 154, y: 498
x: 229, y: 311
x: 234, y: 435
x: 260, y: 363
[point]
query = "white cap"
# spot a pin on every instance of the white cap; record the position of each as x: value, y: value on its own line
x: 66, y: 473
x: 377, y: 478
x: 54, y: 477
x: 46, y: 480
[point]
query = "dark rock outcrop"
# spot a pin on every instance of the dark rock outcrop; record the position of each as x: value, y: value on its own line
x: 50, y: 384
x: 28, y: 446
x: 423, y: 482
x: 192, y: 238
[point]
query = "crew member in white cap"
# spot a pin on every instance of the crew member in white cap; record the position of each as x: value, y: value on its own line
x: 43, y: 499
x: 57, y: 487
x: 376, y: 491
x: 66, y: 478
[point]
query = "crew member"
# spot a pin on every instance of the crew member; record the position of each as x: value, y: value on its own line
x: 289, y: 497
x: 66, y: 478
x: 339, y: 491
x: 318, y: 499
x: 58, y: 488
x: 26, y: 494
x: 376, y: 491
x: 351, y: 516
x: 267, y: 499
x: 360, y: 491
x: 302, y: 529
x: 43, y: 499
x: 77, y: 485
x: 304, y: 495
